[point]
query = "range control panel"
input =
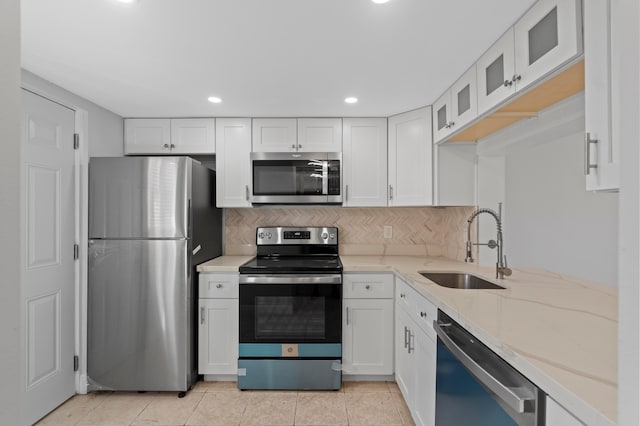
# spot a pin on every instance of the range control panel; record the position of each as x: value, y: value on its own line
x: 298, y: 236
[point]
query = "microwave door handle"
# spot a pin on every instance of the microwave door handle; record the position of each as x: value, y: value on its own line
x: 325, y: 177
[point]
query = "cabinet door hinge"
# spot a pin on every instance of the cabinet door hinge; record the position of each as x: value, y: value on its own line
x: 76, y: 141
x: 76, y: 363
x: 76, y: 252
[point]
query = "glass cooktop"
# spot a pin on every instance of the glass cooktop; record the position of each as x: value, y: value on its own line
x: 292, y: 264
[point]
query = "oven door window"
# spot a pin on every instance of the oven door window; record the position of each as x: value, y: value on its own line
x: 288, y: 177
x: 290, y: 313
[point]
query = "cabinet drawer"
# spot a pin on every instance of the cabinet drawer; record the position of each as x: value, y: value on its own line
x: 367, y: 286
x: 424, y: 313
x: 222, y: 286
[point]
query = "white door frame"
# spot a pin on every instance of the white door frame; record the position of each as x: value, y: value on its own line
x: 81, y: 210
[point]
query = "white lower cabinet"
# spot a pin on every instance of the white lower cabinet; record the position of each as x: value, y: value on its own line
x: 556, y: 415
x: 415, y: 350
x: 367, y: 324
x: 218, y: 324
x: 424, y: 408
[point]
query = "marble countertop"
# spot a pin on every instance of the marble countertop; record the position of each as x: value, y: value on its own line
x: 559, y: 331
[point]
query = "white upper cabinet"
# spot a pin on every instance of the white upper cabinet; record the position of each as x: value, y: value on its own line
x: 456, y: 107
x: 545, y: 38
x: 602, y: 162
x: 169, y: 136
x: 291, y: 135
x: 320, y: 134
x: 364, y: 162
x: 233, y: 166
x: 147, y: 136
x: 496, y: 68
x: 274, y: 135
x: 193, y: 136
x: 410, y: 159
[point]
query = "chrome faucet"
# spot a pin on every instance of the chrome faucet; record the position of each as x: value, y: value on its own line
x: 501, y: 266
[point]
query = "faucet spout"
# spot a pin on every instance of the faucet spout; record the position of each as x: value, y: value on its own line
x: 501, y: 264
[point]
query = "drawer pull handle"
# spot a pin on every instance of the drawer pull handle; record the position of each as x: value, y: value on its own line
x: 202, y: 315
x: 402, y: 295
x: 367, y: 286
x: 423, y: 314
x: 406, y: 332
x: 218, y: 285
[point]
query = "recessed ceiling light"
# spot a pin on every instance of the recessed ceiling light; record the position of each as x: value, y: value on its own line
x: 379, y: 1
x: 351, y: 100
x: 214, y: 99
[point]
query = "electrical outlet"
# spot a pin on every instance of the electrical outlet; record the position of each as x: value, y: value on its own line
x: 388, y: 231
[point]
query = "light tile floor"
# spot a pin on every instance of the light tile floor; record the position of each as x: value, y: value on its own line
x: 221, y: 403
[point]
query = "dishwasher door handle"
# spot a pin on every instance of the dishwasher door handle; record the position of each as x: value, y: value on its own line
x: 517, y: 402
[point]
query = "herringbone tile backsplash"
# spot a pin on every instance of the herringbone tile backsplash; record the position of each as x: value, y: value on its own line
x: 420, y: 231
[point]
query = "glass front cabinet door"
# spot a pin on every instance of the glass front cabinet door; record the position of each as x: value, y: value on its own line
x: 456, y: 107
x: 547, y: 37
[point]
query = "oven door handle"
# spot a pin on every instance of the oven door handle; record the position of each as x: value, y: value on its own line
x: 508, y: 395
x: 291, y: 279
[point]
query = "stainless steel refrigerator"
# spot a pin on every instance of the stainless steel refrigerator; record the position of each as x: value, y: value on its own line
x: 151, y: 221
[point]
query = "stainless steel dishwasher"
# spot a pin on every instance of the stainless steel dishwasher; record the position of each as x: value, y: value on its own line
x: 474, y: 386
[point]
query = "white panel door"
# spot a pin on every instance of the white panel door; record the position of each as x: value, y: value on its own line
x: 495, y: 69
x: 48, y: 285
x: 233, y: 165
x: 274, y: 135
x: 368, y: 336
x: 218, y: 336
x: 320, y: 134
x: 364, y: 162
x: 410, y: 159
x: 193, y: 136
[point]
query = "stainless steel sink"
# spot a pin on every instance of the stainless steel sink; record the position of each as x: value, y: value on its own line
x: 460, y: 280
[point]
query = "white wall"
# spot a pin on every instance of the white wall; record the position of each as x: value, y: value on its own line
x: 550, y: 220
x: 10, y: 313
x: 106, y: 134
x: 626, y: 72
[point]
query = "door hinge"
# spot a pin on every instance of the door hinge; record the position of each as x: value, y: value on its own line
x: 76, y: 363
x: 76, y: 141
x: 76, y: 252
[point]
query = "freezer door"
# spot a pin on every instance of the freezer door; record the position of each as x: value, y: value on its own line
x: 140, y: 316
x: 139, y: 197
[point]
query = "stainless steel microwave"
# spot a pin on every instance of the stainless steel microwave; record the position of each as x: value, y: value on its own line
x: 296, y: 177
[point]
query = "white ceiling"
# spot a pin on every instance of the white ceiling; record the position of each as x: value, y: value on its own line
x: 161, y: 58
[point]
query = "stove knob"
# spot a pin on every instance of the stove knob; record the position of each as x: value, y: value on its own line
x: 324, y: 236
x: 269, y: 235
x: 261, y: 235
x: 332, y: 236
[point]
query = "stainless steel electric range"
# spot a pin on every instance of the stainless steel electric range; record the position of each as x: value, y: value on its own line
x: 291, y: 311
